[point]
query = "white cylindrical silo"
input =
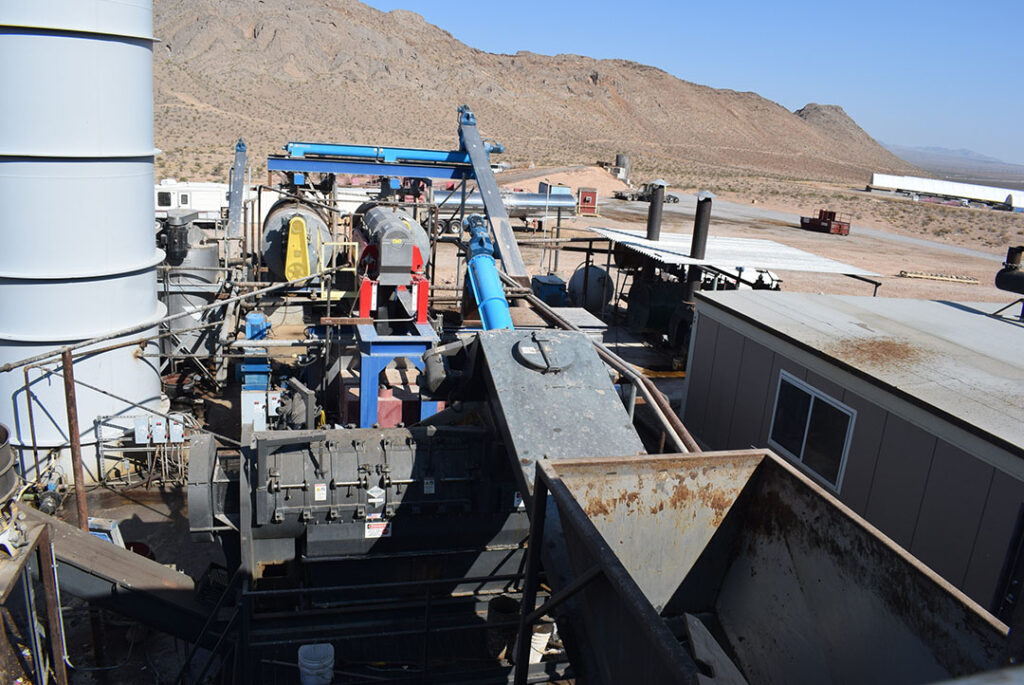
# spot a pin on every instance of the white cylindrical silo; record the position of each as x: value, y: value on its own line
x: 77, y: 246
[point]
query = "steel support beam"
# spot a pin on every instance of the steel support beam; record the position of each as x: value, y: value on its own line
x: 511, y: 260
x: 236, y: 196
x: 367, y: 167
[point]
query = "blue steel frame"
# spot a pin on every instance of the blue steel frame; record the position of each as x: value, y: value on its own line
x: 369, y: 168
x: 376, y: 352
x: 334, y: 158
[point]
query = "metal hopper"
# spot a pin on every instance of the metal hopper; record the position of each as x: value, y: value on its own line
x: 735, y: 567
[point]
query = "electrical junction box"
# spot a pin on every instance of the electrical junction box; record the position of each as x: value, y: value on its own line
x: 258, y: 405
x: 159, y: 430
x: 176, y: 432
x: 142, y: 430
x: 549, y: 288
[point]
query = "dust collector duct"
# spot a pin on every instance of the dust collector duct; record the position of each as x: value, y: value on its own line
x: 77, y: 247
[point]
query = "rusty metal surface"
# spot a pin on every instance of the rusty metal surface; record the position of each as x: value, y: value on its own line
x: 76, y: 441
x: 613, y: 621
x: 658, y: 515
x: 794, y: 586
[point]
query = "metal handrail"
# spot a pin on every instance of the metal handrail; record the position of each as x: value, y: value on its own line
x: 206, y: 626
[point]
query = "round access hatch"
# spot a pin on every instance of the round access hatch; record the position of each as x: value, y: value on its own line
x: 540, y: 354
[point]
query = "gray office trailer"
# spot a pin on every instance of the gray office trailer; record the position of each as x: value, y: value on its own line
x: 911, y: 411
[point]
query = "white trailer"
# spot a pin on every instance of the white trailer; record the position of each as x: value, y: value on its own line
x: 951, y: 189
x: 209, y: 199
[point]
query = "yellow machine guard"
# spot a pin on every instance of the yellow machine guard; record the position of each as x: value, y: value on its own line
x: 296, y: 263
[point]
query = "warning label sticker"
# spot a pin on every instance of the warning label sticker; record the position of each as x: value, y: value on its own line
x: 376, y: 529
x: 375, y: 495
x: 320, y: 492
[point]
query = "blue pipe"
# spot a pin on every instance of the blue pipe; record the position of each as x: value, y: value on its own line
x: 484, y: 279
x: 384, y: 154
x: 380, y: 154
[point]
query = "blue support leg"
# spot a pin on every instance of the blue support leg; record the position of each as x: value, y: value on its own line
x: 375, y: 353
x: 369, y: 373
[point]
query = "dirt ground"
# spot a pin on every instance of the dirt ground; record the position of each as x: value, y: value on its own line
x: 573, y: 176
x: 880, y: 245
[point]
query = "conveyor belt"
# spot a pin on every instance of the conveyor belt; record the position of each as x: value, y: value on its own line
x: 122, y: 581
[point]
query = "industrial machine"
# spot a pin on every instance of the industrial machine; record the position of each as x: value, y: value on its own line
x: 394, y: 543
x: 661, y: 295
x: 373, y: 525
x: 645, y: 192
x: 394, y: 252
x: 395, y: 517
x: 1011, y: 276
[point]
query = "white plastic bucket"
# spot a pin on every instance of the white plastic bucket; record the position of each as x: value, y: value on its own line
x: 316, y: 664
x: 538, y: 642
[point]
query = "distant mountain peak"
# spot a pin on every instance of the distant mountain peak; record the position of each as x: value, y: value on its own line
x: 813, y: 109
x: 958, y: 153
x: 340, y: 70
x: 962, y: 165
x: 834, y: 122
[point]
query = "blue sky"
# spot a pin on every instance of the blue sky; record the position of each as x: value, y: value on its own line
x: 948, y: 74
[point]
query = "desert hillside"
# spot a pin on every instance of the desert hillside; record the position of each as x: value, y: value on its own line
x: 339, y: 70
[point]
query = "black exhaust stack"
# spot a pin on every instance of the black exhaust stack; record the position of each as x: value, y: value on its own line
x: 701, y: 224
x: 654, y: 210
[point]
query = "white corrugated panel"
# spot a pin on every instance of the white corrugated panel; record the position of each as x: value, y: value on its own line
x: 729, y: 253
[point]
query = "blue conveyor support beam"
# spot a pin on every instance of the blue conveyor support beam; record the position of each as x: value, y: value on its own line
x: 484, y: 280
x: 369, y: 167
x: 379, y: 154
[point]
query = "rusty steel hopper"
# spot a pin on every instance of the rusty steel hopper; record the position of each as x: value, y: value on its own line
x: 734, y: 567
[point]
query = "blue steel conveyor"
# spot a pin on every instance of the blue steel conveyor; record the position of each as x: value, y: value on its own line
x: 470, y: 161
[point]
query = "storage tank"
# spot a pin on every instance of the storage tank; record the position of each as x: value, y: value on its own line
x: 78, y: 254
x: 622, y: 163
x: 591, y: 287
x: 190, y: 287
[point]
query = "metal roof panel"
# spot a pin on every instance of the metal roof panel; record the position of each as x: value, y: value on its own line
x: 951, y: 356
x: 728, y: 253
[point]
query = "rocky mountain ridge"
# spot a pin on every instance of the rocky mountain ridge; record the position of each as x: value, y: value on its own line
x: 339, y: 70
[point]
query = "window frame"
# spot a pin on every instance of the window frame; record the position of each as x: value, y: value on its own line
x: 164, y: 195
x: 816, y: 396
x: 183, y: 199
